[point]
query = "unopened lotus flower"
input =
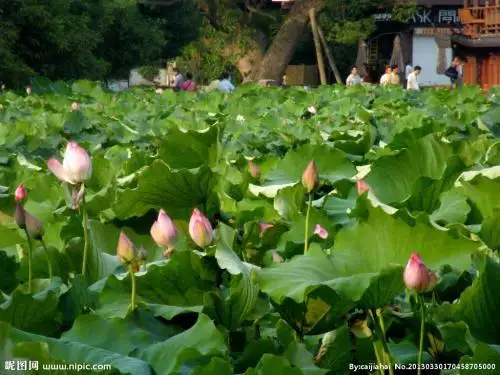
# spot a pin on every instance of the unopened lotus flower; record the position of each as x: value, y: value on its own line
x: 76, y: 166
x: 312, y: 110
x: 263, y: 227
x: 74, y: 106
x: 164, y: 232
x: 28, y: 90
x: 362, y: 186
x: 253, y: 169
x: 320, y: 231
x: 21, y: 193
x: 310, y: 178
x: 240, y: 118
x: 417, y: 276
x: 200, y: 229
x: 126, y: 251
x: 33, y: 226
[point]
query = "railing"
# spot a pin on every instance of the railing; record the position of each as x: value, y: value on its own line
x: 481, y: 19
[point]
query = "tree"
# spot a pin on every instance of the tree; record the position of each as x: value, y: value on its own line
x: 279, y: 54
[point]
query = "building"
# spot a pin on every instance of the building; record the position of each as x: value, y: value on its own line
x: 479, y: 42
x: 426, y: 39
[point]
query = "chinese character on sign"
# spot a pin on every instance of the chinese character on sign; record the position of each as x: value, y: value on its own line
x: 22, y: 365
x: 10, y: 365
x: 448, y: 16
x: 33, y: 365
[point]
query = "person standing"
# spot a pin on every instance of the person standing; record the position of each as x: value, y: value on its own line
x: 452, y: 72
x: 384, y: 80
x: 394, y: 77
x: 225, y: 84
x: 189, y: 85
x: 408, y: 70
x: 412, y: 81
x: 353, y: 78
x: 178, y: 80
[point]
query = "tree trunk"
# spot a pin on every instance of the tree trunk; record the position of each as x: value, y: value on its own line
x: 279, y: 54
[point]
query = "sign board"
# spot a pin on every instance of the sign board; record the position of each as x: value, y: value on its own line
x: 432, y: 31
x: 426, y: 17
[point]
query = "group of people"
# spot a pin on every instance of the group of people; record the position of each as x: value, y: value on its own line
x: 180, y: 83
x: 392, y: 75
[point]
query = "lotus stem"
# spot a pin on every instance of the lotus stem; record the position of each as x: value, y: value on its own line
x: 30, y: 261
x: 85, y: 224
x: 306, y: 239
x: 132, y: 302
x: 422, y: 333
x: 378, y: 339
x: 381, y: 327
x: 48, y: 257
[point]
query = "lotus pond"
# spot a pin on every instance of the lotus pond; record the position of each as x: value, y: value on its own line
x: 267, y: 232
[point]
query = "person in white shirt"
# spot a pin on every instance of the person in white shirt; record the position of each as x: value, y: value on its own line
x: 354, y: 78
x: 408, y: 70
x: 384, y: 80
x: 413, y: 83
x: 225, y: 84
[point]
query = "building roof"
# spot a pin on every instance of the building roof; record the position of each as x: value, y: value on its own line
x: 476, y: 43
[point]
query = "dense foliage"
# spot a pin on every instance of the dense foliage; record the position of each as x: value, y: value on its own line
x: 252, y: 302
x: 69, y: 39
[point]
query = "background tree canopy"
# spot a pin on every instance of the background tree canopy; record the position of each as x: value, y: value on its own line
x: 97, y: 39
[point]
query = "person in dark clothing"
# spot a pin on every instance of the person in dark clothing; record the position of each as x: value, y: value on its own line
x: 452, y: 72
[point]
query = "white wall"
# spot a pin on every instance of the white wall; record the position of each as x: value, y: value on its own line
x: 425, y: 54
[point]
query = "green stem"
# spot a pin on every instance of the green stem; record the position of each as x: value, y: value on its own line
x: 422, y: 332
x: 30, y: 261
x: 306, y: 240
x: 85, y: 224
x: 376, y: 343
x: 48, y: 258
x: 381, y: 327
x: 132, y: 303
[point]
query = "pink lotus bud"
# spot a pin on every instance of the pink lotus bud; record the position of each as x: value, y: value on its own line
x: 21, y: 193
x: 164, y: 232
x: 362, y: 186
x: 253, y: 169
x: 417, y: 276
x: 28, y: 90
x: 200, y: 229
x: 263, y: 227
x: 320, y: 231
x: 310, y: 178
x: 276, y: 257
x: 20, y: 216
x: 76, y: 166
x: 74, y: 106
x: 126, y: 250
x: 33, y: 226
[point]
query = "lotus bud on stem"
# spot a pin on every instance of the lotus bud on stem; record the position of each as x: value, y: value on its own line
x: 253, y: 169
x: 33, y: 229
x: 130, y: 257
x: 164, y: 232
x: 419, y: 279
x: 310, y: 181
x: 200, y: 229
x: 75, y: 169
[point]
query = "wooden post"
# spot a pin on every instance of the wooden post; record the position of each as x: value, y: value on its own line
x: 317, y: 43
x: 329, y: 55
